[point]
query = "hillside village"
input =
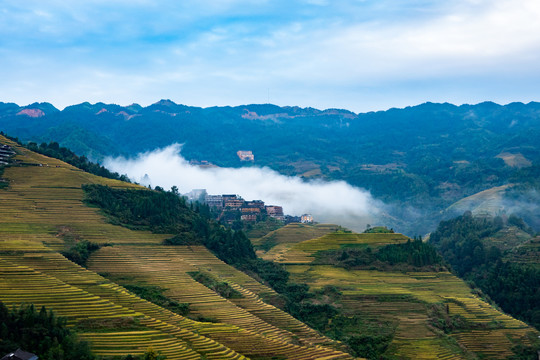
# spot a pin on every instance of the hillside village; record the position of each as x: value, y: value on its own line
x: 229, y: 208
x: 5, y: 153
x: 245, y: 155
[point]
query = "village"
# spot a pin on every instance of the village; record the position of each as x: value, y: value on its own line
x: 229, y: 208
x: 5, y: 153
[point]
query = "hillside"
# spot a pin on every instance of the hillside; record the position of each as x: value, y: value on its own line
x: 421, y: 158
x: 43, y: 214
x: 500, y: 255
x: 412, y: 312
x: 486, y: 202
x: 291, y: 234
x: 352, y: 287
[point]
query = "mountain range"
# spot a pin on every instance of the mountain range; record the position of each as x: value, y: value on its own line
x: 419, y: 159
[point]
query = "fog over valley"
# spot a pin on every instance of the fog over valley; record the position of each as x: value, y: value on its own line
x: 334, y: 201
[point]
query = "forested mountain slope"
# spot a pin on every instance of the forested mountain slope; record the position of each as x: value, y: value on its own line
x: 426, y: 156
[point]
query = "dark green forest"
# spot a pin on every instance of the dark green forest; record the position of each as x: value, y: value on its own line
x: 466, y: 242
x: 39, y: 332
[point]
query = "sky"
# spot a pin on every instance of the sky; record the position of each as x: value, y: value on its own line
x: 360, y: 55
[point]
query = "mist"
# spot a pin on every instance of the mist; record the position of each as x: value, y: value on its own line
x: 333, y: 202
x: 525, y: 204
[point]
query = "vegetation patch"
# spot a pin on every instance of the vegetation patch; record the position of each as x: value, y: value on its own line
x: 322, y: 310
x: 378, y: 230
x: 3, y: 182
x: 223, y: 288
x: 81, y: 251
x: 157, y: 211
x: 410, y: 256
x: 268, y: 272
x: 526, y: 350
x: 155, y: 295
x: 40, y: 332
x: 267, y: 242
x: 290, y: 234
x: 185, y: 238
x: 441, y: 319
x: 123, y: 323
x: 261, y: 228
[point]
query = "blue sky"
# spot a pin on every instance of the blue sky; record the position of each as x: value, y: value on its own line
x: 359, y: 55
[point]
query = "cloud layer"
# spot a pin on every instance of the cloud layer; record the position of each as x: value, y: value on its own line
x: 336, y: 202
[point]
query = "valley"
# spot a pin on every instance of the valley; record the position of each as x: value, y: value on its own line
x: 451, y: 152
x: 403, y: 310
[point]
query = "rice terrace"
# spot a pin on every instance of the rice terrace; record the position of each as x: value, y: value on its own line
x: 202, y: 308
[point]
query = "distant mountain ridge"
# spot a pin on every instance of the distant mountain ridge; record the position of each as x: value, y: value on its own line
x: 426, y: 156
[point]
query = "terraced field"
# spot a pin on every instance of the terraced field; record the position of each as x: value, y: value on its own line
x: 408, y: 300
x: 291, y: 234
x: 42, y: 213
x: 304, y: 252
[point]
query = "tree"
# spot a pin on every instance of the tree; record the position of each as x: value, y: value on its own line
x: 152, y: 354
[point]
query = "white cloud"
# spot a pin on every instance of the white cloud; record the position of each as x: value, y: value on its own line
x: 468, y: 38
x: 359, y: 55
x: 336, y: 201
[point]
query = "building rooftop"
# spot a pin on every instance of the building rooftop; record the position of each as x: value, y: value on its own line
x: 20, y: 355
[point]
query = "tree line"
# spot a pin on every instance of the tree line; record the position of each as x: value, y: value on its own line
x: 414, y: 255
x: 166, y: 212
x: 40, y: 332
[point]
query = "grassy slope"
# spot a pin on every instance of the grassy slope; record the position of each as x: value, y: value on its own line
x: 407, y: 300
x: 484, y: 202
x: 290, y: 234
x: 42, y: 213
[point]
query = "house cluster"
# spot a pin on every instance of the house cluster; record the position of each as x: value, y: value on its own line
x: 245, y: 155
x: 20, y: 355
x: 5, y: 153
x: 234, y: 207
